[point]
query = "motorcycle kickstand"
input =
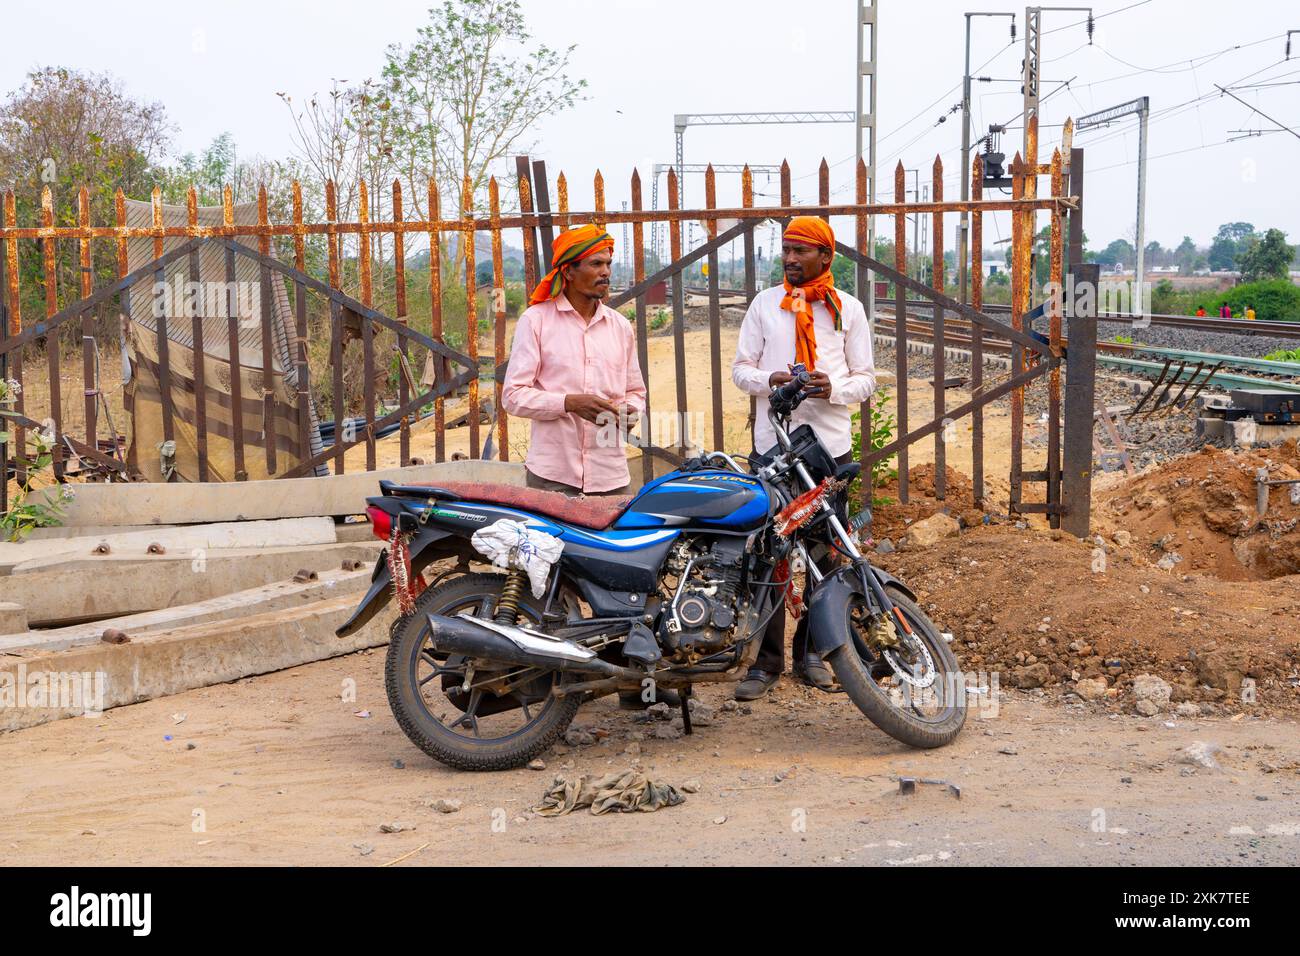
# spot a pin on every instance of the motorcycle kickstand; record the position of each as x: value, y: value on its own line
x: 686, y: 710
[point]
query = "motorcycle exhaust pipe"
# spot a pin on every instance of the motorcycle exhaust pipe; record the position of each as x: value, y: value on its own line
x: 510, y: 644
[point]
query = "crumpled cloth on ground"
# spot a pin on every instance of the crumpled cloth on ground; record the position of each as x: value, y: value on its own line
x: 512, y: 544
x: 626, y: 791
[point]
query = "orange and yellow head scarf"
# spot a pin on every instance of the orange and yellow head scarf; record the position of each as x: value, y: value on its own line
x: 811, y: 231
x: 568, y: 248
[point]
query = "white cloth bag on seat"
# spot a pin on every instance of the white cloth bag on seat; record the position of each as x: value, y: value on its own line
x: 512, y: 544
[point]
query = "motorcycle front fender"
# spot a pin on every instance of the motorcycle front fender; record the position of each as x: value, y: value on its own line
x: 828, y: 607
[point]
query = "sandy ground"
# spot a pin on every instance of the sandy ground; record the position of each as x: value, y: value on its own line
x: 283, y: 773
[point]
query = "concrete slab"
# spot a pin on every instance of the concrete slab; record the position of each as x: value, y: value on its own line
x: 41, y: 534
x: 13, y: 617
x: 267, y: 597
x: 105, y: 505
x: 1268, y: 433
x: 289, y: 532
x: 1212, y: 429
x: 71, y: 683
x: 82, y: 589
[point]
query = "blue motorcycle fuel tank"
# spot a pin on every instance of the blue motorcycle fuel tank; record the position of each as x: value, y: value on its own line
x: 717, y: 500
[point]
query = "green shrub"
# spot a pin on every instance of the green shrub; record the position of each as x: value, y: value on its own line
x: 883, y: 426
x: 1277, y: 300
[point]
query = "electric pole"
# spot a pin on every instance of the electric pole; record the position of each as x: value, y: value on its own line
x: 964, y: 225
x: 1030, y: 79
x: 866, y: 124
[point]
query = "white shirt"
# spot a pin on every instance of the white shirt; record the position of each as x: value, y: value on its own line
x: 766, y: 345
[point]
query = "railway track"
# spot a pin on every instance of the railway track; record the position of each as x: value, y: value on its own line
x: 1195, y: 323
x: 1281, y: 375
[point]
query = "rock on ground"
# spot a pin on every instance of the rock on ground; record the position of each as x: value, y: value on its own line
x: 928, y: 531
x: 1152, y: 694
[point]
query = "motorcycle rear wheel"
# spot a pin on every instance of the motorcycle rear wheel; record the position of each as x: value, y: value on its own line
x: 897, y: 709
x: 479, y: 730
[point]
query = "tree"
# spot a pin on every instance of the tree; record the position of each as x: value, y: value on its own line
x: 1267, y: 258
x: 1229, y: 242
x: 1223, y: 254
x: 1185, y: 255
x: 1236, y: 231
x: 1119, y: 253
x: 461, y: 99
x: 218, y: 166
x: 66, y: 128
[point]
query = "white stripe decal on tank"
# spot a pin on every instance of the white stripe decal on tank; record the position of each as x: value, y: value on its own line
x: 625, y: 543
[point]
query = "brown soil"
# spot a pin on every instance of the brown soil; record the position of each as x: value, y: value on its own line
x: 283, y: 773
x: 1046, y: 609
x: 1202, y: 506
x: 890, y: 518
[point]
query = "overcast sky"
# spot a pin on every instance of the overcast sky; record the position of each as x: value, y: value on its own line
x: 647, y: 60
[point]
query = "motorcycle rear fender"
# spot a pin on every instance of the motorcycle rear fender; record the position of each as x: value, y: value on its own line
x: 429, y: 545
x: 828, y: 606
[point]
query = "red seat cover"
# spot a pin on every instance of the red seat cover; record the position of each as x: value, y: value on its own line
x: 596, y: 513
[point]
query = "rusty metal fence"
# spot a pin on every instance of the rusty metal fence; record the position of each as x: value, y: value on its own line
x: 25, y: 342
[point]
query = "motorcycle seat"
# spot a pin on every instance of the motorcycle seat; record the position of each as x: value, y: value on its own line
x: 597, y: 513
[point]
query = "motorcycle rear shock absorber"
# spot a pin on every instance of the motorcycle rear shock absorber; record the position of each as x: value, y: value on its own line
x: 508, y: 604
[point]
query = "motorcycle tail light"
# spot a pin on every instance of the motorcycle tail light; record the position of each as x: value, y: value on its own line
x: 381, y: 523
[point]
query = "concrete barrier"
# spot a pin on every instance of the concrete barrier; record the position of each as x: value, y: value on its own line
x: 290, y: 532
x: 128, y: 587
x: 155, y: 503
x: 267, y: 597
x: 42, y: 687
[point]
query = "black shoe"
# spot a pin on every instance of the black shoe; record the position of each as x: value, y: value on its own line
x: 756, y: 684
x: 812, y: 670
x: 632, y: 700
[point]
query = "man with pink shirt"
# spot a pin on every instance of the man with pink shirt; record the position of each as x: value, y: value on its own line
x: 573, y: 370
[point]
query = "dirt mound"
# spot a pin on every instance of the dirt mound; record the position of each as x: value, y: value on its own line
x: 890, y: 520
x: 1198, y: 513
x: 1044, y: 609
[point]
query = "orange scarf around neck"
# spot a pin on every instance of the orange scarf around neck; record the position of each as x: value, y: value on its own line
x: 799, y: 300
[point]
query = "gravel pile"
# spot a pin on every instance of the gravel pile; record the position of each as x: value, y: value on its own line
x: 1151, y: 438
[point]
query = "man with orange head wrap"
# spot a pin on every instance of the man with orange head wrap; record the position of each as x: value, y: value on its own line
x: 573, y: 368
x: 804, y: 320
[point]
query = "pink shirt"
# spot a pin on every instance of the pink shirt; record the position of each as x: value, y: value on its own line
x: 557, y: 352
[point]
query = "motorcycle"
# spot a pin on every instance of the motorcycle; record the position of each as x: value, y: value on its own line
x: 667, y: 591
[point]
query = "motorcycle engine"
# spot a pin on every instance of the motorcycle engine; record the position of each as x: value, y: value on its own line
x: 700, y: 606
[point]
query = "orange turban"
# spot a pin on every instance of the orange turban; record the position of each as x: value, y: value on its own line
x: 568, y: 248
x: 812, y: 231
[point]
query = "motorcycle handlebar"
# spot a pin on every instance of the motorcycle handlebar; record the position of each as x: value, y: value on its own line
x: 792, y: 388
x: 786, y: 398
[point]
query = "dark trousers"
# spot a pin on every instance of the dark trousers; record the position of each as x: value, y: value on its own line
x: 771, y: 654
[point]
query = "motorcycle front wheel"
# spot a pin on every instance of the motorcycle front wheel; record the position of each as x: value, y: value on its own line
x: 915, y: 692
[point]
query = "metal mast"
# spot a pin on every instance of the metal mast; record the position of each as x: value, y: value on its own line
x: 1142, y: 107
x: 865, y: 128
